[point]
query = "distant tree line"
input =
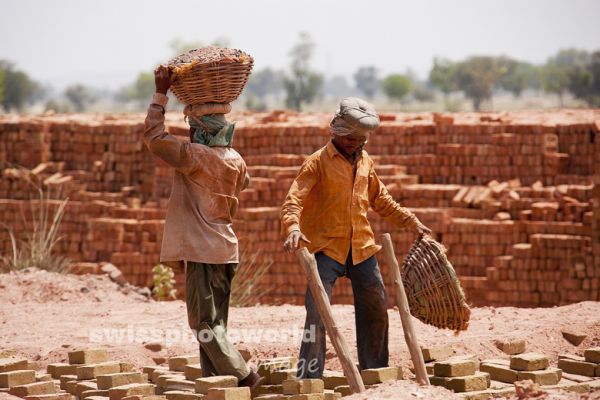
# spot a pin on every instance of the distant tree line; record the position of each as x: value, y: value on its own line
x: 478, y: 78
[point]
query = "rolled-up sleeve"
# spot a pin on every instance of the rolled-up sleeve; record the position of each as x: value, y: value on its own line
x: 301, y: 187
x: 167, y: 147
x: 384, y: 204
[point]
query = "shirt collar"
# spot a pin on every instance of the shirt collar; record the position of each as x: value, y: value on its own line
x: 332, y: 151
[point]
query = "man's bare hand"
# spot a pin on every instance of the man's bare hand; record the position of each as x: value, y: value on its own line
x: 162, y: 79
x: 423, y: 230
x: 293, y: 240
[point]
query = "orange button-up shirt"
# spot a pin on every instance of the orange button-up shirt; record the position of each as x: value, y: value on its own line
x: 329, y: 205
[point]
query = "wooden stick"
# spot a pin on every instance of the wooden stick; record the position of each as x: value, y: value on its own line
x: 308, y: 262
x: 409, y: 333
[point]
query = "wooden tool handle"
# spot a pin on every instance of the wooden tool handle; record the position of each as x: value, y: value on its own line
x: 309, y: 264
x: 409, y: 333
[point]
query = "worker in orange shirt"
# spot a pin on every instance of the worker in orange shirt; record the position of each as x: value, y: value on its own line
x: 326, y: 208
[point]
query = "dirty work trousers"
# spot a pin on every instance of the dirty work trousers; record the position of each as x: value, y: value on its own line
x: 207, y: 290
x: 371, y: 318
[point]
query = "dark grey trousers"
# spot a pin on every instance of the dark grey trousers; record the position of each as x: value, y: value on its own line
x: 371, y: 318
x: 207, y: 290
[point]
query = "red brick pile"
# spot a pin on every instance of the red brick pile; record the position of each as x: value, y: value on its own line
x: 514, y: 197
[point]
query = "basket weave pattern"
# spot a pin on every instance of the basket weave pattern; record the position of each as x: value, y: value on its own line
x: 432, y: 287
x: 217, y: 82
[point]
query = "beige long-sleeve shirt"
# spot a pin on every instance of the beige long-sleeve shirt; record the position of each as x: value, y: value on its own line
x: 204, y: 196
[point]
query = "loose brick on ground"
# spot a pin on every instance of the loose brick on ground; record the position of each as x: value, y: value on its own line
x: 161, y: 374
x: 577, y: 367
x: 161, y: 381
x: 83, y: 386
x: 573, y: 337
x: 192, y: 372
x: 267, y: 366
x: 179, y: 363
x: 437, y: 353
x: 263, y: 390
x: 180, y: 384
x: 66, y: 378
x: 203, y: 385
x: 93, y: 370
x: 58, y: 369
x: 511, y: 346
x: 333, y: 379
x: 549, y: 376
x: 71, y: 386
x: 91, y: 393
x: 119, y: 379
x: 277, y: 377
x: 307, y: 396
x: 234, y: 393
x: 126, y: 366
x: 150, y: 369
x: 182, y: 395
x: 33, y: 389
x: 13, y: 364
x: 592, y: 355
x: 42, y: 377
x: 379, y: 375
x: 499, y: 372
x: 471, y: 383
x: 271, y: 397
x: 570, y: 357
x: 143, y: 389
x: 16, y: 378
x: 452, y: 368
x: 529, y: 362
x: 90, y: 356
x: 52, y: 396
x: 344, y: 390
x: 303, y: 386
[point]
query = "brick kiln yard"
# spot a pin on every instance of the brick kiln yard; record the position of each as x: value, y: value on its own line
x: 513, y: 196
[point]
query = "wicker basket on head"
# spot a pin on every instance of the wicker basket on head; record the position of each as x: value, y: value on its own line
x: 210, y: 75
x: 432, y: 287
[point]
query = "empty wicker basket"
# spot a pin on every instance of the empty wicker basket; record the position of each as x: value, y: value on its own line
x: 432, y: 287
x: 210, y: 75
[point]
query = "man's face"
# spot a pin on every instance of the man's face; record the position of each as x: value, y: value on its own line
x: 350, y: 144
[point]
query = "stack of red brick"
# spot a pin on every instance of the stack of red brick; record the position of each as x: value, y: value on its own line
x: 490, y: 185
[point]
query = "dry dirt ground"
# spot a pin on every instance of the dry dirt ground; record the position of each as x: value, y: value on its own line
x: 44, y: 315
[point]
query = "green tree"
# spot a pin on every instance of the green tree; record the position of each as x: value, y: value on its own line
x: 366, y: 81
x: 18, y: 87
x: 557, y: 72
x: 422, y: 93
x: 264, y: 82
x: 141, y: 90
x: 260, y: 85
x: 584, y: 80
x: 80, y: 96
x: 442, y: 76
x: 517, y: 76
x: 302, y: 85
x: 396, y: 86
x: 477, y: 77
